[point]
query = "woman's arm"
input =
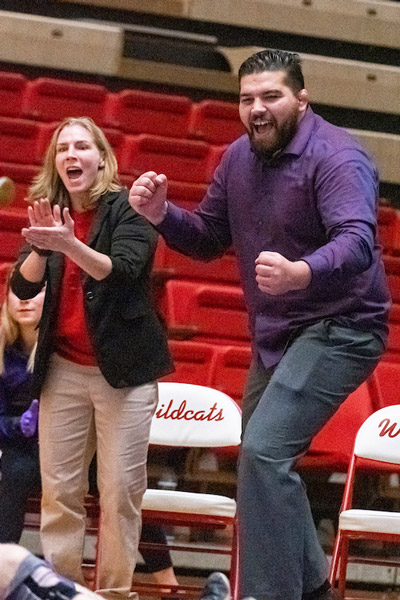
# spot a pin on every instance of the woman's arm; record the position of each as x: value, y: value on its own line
x: 33, y: 268
x: 94, y: 263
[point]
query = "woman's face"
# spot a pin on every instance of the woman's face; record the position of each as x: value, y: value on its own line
x: 78, y: 161
x: 25, y: 312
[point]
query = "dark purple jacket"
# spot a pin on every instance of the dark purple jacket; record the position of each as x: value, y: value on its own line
x: 15, y: 396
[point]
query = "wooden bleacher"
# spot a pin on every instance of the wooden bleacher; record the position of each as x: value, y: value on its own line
x: 365, y: 21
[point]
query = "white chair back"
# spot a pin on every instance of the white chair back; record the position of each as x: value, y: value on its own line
x: 195, y: 416
x: 379, y: 436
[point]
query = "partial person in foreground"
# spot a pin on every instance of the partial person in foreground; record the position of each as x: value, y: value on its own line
x: 23, y: 576
x: 20, y: 472
x: 297, y: 199
x: 101, y: 349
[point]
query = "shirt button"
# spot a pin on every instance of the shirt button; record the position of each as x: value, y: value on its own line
x: 89, y: 296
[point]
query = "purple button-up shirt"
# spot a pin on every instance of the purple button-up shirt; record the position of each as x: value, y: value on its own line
x: 315, y: 201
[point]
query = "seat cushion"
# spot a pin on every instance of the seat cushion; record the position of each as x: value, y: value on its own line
x: 374, y: 521
x: 189, y: 502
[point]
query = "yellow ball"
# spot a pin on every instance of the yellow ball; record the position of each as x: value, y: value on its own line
x: 7, y: 191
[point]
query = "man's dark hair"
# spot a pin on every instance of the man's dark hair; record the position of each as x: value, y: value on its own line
x: 276, y: 60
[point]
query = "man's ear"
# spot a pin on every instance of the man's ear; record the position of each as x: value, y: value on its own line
x: 303, y: 99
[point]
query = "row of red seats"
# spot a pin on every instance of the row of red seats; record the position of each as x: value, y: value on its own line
x: 185, y: 193
x: 225, y: 368
x: 168, y: 263
x: 208, y: 313
x: 221, y: 366
x: 24, y: 142
x: 216, y: 312
x: 130, y: 110
x: 332, y: 447
x: 204, y: 301
x: 389, y: 229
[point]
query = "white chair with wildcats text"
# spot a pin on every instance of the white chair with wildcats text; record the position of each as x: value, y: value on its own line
x: 377, y: 447
x: 190, y: 416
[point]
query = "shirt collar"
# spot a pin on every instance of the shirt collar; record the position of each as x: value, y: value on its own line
x: 300, y: 139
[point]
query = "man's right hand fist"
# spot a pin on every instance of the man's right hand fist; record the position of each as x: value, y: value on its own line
x: 148, y: 196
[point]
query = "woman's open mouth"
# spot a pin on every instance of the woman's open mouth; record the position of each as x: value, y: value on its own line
x: 74, y: 173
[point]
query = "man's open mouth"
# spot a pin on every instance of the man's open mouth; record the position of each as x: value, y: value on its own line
x: 262, y: 126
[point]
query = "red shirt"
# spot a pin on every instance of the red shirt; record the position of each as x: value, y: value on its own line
x: 72, y: 334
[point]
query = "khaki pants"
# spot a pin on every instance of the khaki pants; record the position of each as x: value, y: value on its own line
x: 80, y: 413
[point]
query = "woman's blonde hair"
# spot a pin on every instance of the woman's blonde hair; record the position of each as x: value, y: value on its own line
x: 48, y: 183
x: 10, y: 330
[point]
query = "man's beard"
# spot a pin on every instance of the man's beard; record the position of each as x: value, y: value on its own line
x: 266, y: 147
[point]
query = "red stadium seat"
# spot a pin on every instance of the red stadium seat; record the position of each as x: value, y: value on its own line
x: 116, y: 139
x: 23, y: 141
x: 205, y: 311
x: 4, y: 270
x: 180, y: 160
x: 392, y: 268
x: 215, y: 122
x: 387, y: 381
x: 194, y: 362
x: 185, y: 194
x: 12, y: 88
x: 389, y: 229
x: 136, y: 111
x: 393, y: 347
x: 169, y: 263
x: 22, y: 176
x: 332, y: 447
x: 11, y: 239
x: 49, y: 99
x: 386, y: 218
x: 231, y: 369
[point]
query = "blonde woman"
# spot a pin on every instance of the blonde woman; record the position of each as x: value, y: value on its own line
x: 100, y: 350
x: 20, y: 474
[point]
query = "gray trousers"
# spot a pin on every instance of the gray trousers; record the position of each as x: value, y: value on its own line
x: 283, y: 409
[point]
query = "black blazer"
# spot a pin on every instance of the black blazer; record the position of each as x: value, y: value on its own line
x: 128, y: 338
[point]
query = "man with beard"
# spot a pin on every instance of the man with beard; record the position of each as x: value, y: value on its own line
x: 297, y: 198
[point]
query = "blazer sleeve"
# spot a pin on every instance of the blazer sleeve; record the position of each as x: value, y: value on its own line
x: 133, y: 242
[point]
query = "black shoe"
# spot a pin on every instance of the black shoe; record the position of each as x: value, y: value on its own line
x: 325, y: 592
x: 217, y: 587
x: 330, y: 594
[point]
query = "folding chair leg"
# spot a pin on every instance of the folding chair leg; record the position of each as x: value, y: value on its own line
x: 343, y: 567
x: 335, y: 559
x: 234, y: 572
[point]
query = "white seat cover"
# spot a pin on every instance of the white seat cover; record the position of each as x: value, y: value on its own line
x: 379, y: 436
x: 195, y: 416
x: 188, y: 502
x: 375, y: 521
